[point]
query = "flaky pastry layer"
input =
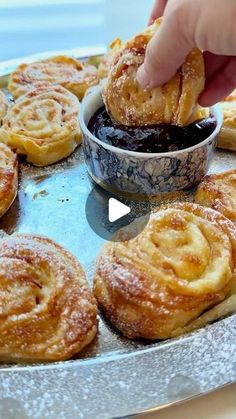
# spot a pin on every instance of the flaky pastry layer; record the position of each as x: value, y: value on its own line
x: 3, y: 106
x: 218, y: 191
x: 8, y: 178
x: 43, y: 125
x: 227, y: 135
x: 48, y: 311
x: 106, y: 60
x: 158, y: 284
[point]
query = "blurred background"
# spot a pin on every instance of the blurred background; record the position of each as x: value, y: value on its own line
x: 33, y: 26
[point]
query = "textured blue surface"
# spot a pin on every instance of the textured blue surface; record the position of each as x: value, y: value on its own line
x: 28, y: 27
x: 32, y: 28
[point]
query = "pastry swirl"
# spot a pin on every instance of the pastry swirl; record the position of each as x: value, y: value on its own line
x: 43, y: 125
x: 175, y: 102
x: 227, y: 135
x: 218, y: 191
x: 8, y: 178
x: 3, y: 106
x: 48, y: 311
x: 65, y: 71
x: 158, y: 284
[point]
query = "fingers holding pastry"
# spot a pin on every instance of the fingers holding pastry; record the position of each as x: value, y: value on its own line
x: 175, y: 102
x: 181, y: 265
x: 218, y: 191
x: 172, y: 40
x: 8, y: 178
x: 188, y: 24
x: 43, y: 125
x: 48, y: 312
x: 60, y: 70
x: 3, y: 106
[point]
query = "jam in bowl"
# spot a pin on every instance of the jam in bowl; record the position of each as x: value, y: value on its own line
x: 155, y: 159
x: 160, y: 138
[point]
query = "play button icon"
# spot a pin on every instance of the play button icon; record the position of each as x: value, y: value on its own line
x: 108, y: 212
x: 116, y: 210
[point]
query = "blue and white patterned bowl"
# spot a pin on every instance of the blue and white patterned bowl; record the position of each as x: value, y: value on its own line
x: 152, y: 173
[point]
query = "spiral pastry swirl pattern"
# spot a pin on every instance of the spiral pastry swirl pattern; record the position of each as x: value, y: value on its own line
x: 43, y: 125
x: 47, y: 310
x: 175, y: 102
x: 218, y: 191
x: 3, y: 106
x: 227, y: 136
x: 8, y: 178
x: 158, y: 284
x: 65, y: 71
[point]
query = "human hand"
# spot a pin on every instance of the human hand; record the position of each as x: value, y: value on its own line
x: 208, y: 25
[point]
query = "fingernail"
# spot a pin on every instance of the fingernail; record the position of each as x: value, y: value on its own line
x: 143, y: 77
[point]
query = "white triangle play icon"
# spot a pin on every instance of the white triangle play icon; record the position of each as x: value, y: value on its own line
x: 116, y: 210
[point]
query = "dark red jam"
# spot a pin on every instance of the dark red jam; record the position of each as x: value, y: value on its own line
x: 152, y: 138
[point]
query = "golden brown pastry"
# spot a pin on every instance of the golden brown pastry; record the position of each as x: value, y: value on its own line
x: 3, y: 106
x: 48, y: 311
x: 43, y: 125
x: 227, y: 136
x: 66, y: 71
x: 175, y: 102
x: 105, y: 63
x: 218, y: 191
x: 158, y: 284
x: 8, y: 178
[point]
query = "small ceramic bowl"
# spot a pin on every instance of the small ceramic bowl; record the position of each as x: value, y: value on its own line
x: 149, y: 173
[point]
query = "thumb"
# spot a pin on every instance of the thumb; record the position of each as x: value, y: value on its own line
x: 165, y: 53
